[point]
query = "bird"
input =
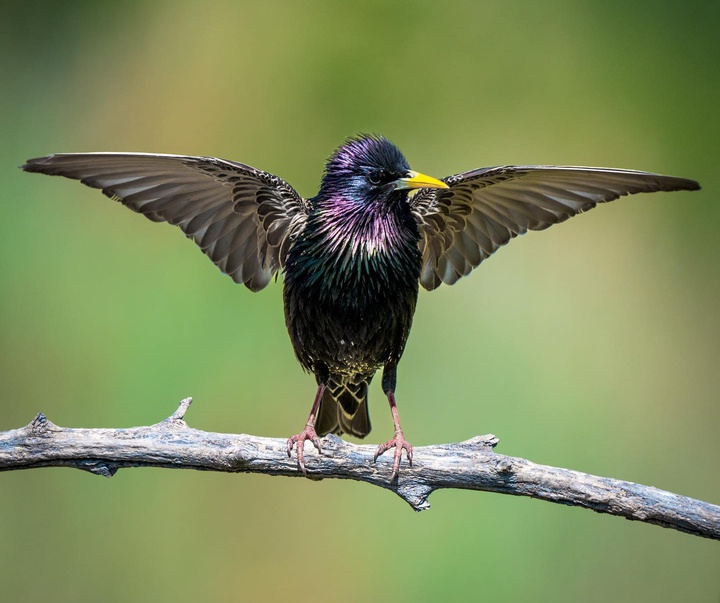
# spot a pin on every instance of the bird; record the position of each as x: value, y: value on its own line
x: 354, y: 256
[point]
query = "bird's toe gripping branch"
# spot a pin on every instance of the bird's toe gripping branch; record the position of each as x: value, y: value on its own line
x: 399, y: 443
x: 308, y: 433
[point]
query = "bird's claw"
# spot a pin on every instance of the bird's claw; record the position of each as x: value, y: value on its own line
x: 399, y: 443
x: 308, y: 433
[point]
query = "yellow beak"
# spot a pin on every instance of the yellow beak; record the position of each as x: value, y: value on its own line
x: 417, y: 180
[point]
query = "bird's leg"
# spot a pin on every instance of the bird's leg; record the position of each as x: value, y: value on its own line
x: 308, y: 433
x: 398, y: 441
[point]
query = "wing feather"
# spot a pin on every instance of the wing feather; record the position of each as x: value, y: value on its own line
x: 242, y: 218
x: 485, y: 208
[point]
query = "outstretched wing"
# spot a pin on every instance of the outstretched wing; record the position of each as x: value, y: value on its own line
x: 483, y: 209
x: 242, y: 218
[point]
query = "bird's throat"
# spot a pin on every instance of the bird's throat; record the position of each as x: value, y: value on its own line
x: 361, y: 234
x: 359, y: 249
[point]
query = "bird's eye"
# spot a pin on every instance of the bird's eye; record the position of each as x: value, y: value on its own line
x: 376, y: 178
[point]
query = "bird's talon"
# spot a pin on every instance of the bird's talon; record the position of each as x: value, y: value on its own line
x: 298, y: 440
x: 399, y: 443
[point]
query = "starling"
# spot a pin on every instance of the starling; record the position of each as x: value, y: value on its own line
x: 354, y: 255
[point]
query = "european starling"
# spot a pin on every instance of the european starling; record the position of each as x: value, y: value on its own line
x: 353, y: 255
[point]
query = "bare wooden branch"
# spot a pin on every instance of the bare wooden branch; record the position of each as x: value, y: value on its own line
x: 470, y: 465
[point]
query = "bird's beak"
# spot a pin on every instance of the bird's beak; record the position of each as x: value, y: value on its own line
x: 417, y: 180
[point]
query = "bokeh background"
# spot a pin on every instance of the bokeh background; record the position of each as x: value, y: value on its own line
x: 594, y: 345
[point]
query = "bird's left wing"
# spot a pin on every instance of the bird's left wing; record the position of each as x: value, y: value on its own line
x: 483, y: 209
x: 242, y: 218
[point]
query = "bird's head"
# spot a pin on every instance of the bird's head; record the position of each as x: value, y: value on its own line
x: 370, y: 169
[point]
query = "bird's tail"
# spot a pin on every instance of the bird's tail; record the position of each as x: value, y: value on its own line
x: 344, y: 409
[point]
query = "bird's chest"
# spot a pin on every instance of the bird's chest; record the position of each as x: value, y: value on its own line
x: 350, y: 301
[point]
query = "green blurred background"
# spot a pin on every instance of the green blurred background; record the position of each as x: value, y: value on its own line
x: 593, y: 346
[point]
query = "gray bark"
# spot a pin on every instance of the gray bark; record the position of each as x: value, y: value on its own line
x: 470, y: 465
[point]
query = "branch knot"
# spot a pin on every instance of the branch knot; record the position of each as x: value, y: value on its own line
x: 41, y: 424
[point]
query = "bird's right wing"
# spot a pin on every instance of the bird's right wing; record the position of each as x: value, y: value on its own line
x: 242, y: 218
x: 483, y: 209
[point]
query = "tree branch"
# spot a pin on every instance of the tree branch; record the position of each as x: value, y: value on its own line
x: 470, y: 465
